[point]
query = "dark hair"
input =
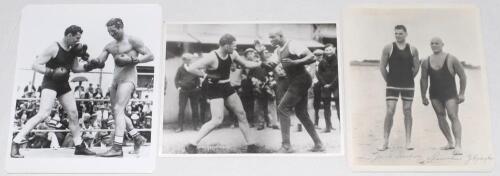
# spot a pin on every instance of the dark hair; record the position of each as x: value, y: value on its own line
x: 117, y: 22
x: 226, y: 39
x: 73, y: 30
x: 329, y: 45
x: 400, y: 27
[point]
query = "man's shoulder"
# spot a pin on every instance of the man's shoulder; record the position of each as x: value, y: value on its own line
x: 453, y: 59
x: 109, y: 45
x: 210, y: 55
x: 53, y: 48
x: 425, y: 61
x: 413, y: 48
x: 388, y: 47
x: 133, y: 39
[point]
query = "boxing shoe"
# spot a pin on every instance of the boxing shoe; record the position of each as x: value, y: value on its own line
x: 14, y: 151
x: 83, y: 150
x: 252, y: 148
x: 115, y: 151
x: 275, y: 127
x: 317, y: 148
x: 190, y: 148
x: 139, y: 140
x: 261, y: 127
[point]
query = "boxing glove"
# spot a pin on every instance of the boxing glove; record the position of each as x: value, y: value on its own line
x: 268, y: 66
x: 123, y: 60
x: 93, y: 64
x: 58, y: 74
x: 80, y: 50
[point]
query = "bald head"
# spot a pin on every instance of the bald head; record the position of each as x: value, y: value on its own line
x: 187, y: 58
x: 276, y: 31
x: 437, y: 45
x: 276, y: 37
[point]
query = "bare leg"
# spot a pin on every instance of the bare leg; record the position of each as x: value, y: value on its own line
x: 120, y: 97
x: 217, y: 111
x: 68, y: 103
x: 47, y: 100
x: 440, y: 110
x: 408, y: 122
x: 303, y: 116
x: 233, y: 102
x: 456, y: 126
x: 389, y: 116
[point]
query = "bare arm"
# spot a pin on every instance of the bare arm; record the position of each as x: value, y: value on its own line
x: 42, y: 59
x: 197, y: 66
x: 138, y: 45
x: 416, y: 62
x: 104, y: 55
x: 308, y: 59
x: 459, y: 69
x: 424, y: 79
x: 244, y: 62
x: 384, y: 61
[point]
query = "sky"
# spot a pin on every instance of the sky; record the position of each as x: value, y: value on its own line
x: 367, y: 31
x: 42, y: 25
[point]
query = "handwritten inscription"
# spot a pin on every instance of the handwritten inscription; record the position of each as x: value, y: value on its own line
x: 424, y: 159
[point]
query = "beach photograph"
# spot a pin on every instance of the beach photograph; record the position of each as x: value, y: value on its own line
x: 392, y: 125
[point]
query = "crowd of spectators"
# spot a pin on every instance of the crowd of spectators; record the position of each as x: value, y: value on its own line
x: 94, y: 113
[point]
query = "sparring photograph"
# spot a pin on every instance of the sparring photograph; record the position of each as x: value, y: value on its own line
x: 85, y: 88
x: 257, y: 88
x: 418, y: 95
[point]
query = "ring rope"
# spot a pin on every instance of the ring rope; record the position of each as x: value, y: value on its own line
x: 82, y: 130
x: 82, y: 99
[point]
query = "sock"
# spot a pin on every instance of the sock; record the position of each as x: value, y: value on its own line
x: 118, y: 142
x: 17, y: 139
x: 77, y: 140
x: 133, y: 133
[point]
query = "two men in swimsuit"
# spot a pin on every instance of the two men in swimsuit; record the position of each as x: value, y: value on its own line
x: 441, y: 68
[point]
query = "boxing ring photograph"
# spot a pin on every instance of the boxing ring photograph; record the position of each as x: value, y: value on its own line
x: 86, y: 90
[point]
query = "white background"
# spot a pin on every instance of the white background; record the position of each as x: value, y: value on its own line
x: 232, y: 10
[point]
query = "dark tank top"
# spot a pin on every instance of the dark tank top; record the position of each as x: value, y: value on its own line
x: 63, y: 59
x: 291, y: 70
x: 223, y: 67
x: 400, y: 67
x: 443, y: 84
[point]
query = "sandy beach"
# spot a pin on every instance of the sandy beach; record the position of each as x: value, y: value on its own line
x: 367, y: 111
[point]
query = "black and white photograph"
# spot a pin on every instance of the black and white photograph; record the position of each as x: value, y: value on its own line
x: 416, y: 87
x: 257, y: 88
x: 85, y: 90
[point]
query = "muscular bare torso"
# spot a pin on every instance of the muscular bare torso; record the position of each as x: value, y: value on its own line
x: 126, y: 73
